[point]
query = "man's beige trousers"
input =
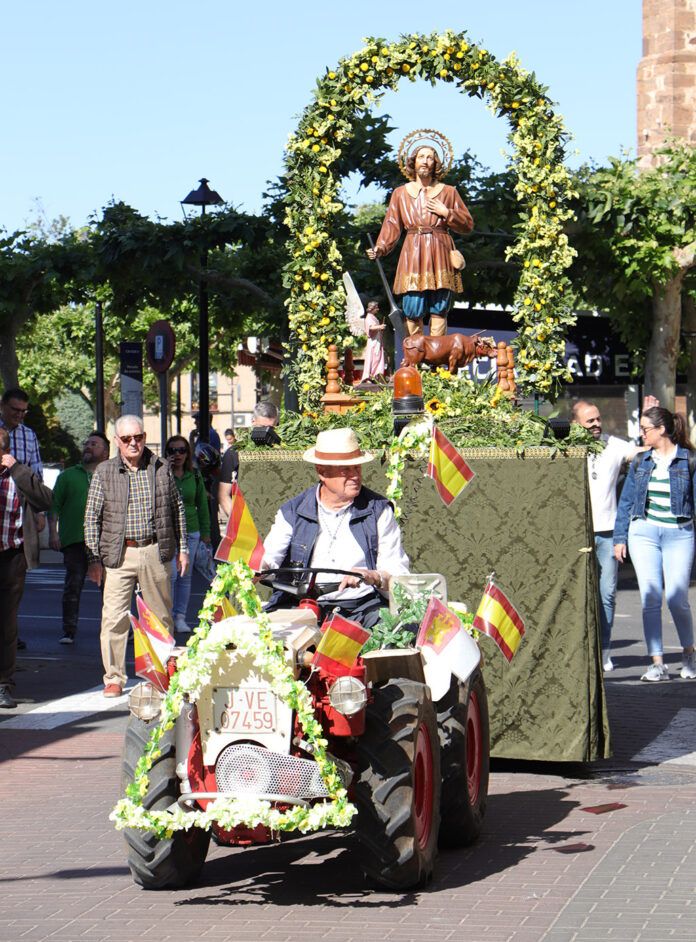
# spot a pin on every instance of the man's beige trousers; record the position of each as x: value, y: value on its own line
x: 141, y: 565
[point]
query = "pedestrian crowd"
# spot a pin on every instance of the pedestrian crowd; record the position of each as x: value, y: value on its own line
x: 139, y: 519
x: 654, y: 518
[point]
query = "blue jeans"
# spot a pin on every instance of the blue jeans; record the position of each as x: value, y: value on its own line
x: 608, y: 576
x: 662, y: 558
x: 181, y: 585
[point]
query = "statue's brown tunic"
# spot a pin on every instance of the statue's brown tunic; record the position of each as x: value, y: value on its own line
x: 424, y: 263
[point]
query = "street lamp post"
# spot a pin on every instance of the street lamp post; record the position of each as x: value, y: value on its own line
x: 203, y: 196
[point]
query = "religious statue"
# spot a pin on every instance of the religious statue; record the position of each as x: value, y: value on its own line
x: 364, y: 322
x: 428, y: 273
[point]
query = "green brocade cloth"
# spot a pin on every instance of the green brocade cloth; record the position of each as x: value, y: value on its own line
x: 528, y: 519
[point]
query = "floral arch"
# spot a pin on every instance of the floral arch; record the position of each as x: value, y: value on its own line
x: 312, y: 275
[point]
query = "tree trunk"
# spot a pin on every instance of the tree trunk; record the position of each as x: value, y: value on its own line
x: 8, y: 360
x: 689, y: 327
x: 663, y: 350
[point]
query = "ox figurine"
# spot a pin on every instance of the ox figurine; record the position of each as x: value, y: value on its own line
x: 454, y: 350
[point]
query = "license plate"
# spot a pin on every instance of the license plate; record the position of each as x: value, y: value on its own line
x: 244, y: 710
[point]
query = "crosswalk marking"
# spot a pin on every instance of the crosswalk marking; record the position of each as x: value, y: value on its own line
x: 676, y: 744
x: 78, y: 706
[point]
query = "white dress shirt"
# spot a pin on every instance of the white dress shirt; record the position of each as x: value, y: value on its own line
x: 603, y: 473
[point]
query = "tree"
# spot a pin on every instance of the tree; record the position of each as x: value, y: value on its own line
x: 638, y: 253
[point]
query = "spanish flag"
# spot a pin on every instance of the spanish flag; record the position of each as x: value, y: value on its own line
x: 447, y: 467
x: 340, y: 645
x: 153, y: 646
x: 224, y: 610
x: 497, y: 618
x: 147, y: 663
x: 241, y: 540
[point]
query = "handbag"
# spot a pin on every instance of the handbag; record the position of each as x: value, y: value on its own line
x: 203, y: 561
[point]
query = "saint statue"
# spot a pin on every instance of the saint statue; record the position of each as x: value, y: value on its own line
x: 428, y: 274
x: 362, y: 315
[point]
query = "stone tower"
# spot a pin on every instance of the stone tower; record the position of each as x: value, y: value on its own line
x: 667, y: 74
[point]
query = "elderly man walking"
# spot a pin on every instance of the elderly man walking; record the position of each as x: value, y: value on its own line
x: 22, y: 497
x: 134, y: 526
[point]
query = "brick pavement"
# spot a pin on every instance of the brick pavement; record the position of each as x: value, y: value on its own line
x: 64, y: 878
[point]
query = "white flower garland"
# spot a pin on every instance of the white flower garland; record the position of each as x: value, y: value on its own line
x: 194, y: 671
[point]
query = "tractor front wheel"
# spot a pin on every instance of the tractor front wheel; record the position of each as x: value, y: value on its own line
x: 397, y: 786
x: 160, y: 864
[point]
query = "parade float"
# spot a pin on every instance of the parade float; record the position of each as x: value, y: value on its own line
x: 251, y: 696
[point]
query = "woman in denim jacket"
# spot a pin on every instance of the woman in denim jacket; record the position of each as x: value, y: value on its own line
x: 656, y: 519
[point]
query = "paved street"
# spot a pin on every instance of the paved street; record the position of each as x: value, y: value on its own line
x: 601, y: 852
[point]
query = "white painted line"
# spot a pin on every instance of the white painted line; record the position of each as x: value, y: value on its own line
x: 676, y: 744
x: 56, y: 713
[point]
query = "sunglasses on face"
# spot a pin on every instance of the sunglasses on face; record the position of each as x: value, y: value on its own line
x: 176, y: 451
x: 129, y: 439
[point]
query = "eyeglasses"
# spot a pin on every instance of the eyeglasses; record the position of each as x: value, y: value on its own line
x: 177, y: 451
x: 646, y: 428
x: 129, y: 439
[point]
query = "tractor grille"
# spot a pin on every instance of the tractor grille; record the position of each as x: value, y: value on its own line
x: 246, y: 769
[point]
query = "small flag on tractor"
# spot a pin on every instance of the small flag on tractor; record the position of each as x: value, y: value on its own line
x: 340, y: 645
x: 447, y: 467
x: 153, y: 646
x: 498, y: 618
x: 147, y: 663
x: 241, y: 540
x: 446, y: 648
x: 224, y: 610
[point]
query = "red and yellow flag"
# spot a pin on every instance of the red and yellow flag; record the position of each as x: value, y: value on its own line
x: 241, y: 540
x: 497, y: 618
x: 150, y: 623
x: 447, y: 467
x: 340, y: 645
x: 147, y: 664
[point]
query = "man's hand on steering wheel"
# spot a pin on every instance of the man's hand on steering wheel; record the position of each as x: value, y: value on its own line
x: 371, y: 577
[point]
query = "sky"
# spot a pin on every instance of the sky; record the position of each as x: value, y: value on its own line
x: 136, y: 101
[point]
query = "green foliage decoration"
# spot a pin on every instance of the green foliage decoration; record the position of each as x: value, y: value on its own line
x: 312, y: 274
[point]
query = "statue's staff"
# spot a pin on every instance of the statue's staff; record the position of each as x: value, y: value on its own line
x: 396, y: 315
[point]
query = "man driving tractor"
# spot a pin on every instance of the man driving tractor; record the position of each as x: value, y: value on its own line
x: 339, y: 523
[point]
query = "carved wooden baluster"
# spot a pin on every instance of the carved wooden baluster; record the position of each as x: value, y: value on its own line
x: 332, y: 364
x: 511, y: 370
x: 502, y: 364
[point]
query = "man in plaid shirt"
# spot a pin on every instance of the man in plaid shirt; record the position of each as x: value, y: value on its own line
x: 24, y: 445
x: 22, y: 496
x: 134, y: 526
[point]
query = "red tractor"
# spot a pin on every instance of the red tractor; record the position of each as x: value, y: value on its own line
x: 416, y: 769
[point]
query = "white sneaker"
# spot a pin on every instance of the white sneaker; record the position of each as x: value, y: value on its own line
x: 180, y: 624
x: 688, y: 671
x: 656, y: 672
x: 607, y: 662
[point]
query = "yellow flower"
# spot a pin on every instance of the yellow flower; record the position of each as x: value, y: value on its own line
x: 324, y: 321
x: 306, y: 286
x: 369, y: 79
x: 443, y: 373
x: 316, y: 148
x: 364, y: 66
x: 443, y: 73
x: 332, y: 75
x: 435, y: 407
x: 405, y: 67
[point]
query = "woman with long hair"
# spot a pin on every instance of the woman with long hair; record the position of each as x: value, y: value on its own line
x: 656, y: 519
x: 192, y: 489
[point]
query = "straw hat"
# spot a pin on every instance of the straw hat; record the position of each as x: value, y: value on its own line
x: 337, y: 446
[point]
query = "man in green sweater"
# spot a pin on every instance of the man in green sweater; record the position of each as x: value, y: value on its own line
x: 66, y: 524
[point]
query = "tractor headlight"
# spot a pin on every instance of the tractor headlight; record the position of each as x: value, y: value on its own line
x: 145, y: 702
x: 348, y: 695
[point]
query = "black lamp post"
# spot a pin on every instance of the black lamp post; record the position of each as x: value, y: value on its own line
x: 203, y: 196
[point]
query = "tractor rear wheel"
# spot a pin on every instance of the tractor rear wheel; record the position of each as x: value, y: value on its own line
x: 160, y: 864
x: 462, y: 721
x: 397, y: 786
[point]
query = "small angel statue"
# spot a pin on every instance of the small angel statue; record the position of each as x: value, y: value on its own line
x: 366, y: 323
